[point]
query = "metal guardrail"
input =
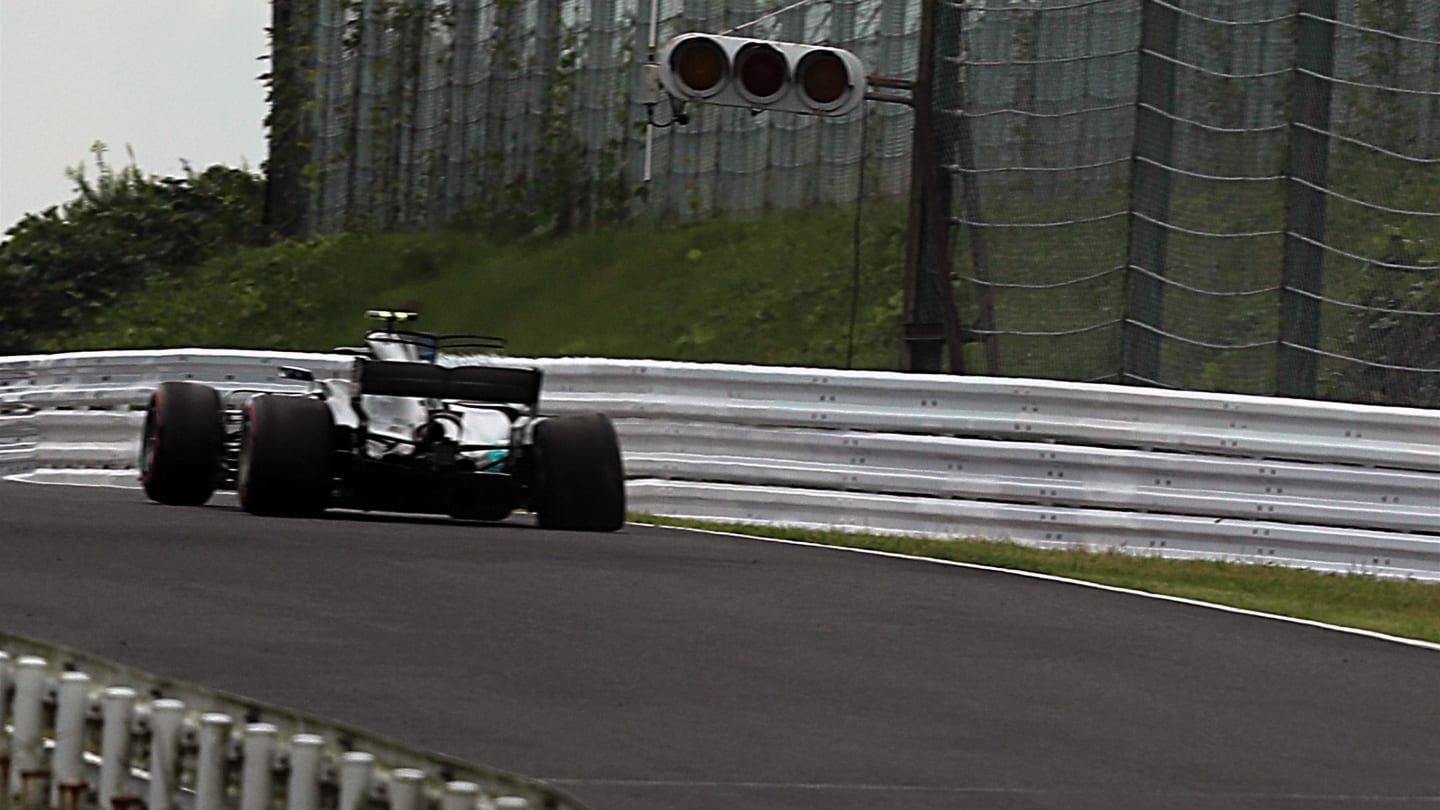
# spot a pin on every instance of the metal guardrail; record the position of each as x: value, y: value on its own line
x: 1182, y: 474
x: 1002, y: 408
x: 109, y: 380
x: 78, y: 731
x: 1034, y: 473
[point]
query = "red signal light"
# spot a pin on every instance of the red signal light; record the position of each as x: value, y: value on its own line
x: 762, y: 70
x: 824, y: 78
x: 700, y: 64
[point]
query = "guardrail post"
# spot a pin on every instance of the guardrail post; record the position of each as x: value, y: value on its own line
x: 405, y: 786
x: 210, y: 766
x: 257, y: 786
x: 117, y: 716
x: 304, y: 788
x: 26, y: 745
x: 71, y: 705
x: 167, y: 717
x: 355, y: 770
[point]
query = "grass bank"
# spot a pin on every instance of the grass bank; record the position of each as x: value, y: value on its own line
x: 778, y: 290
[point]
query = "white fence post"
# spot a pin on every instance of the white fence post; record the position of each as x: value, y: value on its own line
x: 257, y: 785
x: 460, y: 796
x: 210, y: 765
x: 117, y: 718
x: 167, y: 718
x: 405, y: 787
x: 27, y: 746
x: 71, y: 706
x: 304, y: 787
x: 53, y: 750
x: 355, y: 770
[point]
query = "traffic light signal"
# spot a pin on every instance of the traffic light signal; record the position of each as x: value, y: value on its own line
x: 761, y: 74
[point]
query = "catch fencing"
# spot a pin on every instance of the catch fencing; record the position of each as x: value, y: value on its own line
x: 1328, y: 486
x: 77, y: 731
x: 1235, y: 195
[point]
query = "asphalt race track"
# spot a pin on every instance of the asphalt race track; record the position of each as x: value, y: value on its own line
x: 663, y: 670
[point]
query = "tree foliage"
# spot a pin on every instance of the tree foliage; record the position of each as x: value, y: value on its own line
x: 60, y: 266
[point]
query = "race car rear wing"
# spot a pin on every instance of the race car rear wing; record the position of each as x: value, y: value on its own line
x: 515, y: 385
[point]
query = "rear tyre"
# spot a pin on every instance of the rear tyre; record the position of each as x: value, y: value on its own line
x: 183, y: 444
x: 285, y: 456
x: 580, y: 482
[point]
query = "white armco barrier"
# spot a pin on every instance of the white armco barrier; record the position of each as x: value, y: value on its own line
x: 1002, y: 408
x: 1325, y: 485
x: 70, y: 736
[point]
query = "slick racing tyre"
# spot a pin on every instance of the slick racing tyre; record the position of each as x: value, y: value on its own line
x: 284, y: 467
x: 182, y: 445
x: 580, y: 482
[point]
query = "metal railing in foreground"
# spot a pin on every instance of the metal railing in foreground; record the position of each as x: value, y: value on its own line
x: 79, y: 732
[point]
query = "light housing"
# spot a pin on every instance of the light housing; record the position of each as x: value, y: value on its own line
x: 762, y: 74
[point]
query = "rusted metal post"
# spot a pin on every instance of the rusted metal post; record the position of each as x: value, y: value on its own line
x: 35, y: 789
x: 70, y: 795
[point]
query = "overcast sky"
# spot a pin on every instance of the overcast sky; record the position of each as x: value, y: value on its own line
x: 173, y: 79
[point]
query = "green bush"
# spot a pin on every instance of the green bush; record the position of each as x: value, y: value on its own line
x: 62, y: 266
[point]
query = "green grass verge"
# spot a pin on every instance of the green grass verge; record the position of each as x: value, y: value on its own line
x: 1394, y: 607
x: 773, y: 291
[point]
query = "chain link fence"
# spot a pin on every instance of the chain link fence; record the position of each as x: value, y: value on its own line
x: 1238, y: 195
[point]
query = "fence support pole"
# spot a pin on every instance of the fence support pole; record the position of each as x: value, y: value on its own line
x: 931, y: 324
x: 1307, y: 175
x: 1150, y: 193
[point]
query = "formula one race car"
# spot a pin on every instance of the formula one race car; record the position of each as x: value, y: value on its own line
x: 398, y: 433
